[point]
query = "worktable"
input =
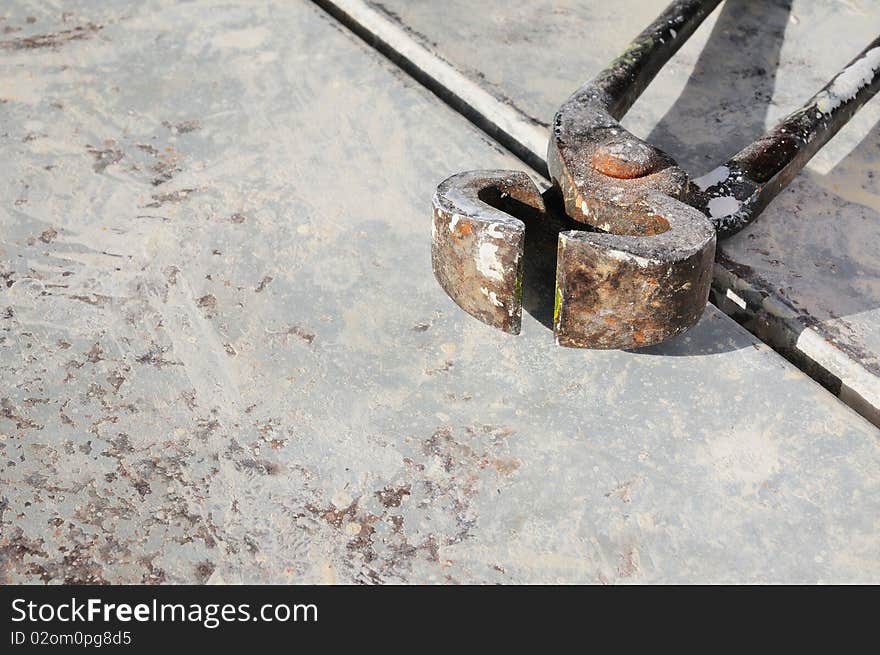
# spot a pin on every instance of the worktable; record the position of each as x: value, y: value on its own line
x: 224, y: 358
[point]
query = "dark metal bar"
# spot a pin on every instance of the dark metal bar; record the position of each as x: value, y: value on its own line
x: 733, y: 194
x: 631, y: 73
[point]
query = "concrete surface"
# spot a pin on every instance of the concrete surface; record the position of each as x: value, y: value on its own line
x: 808, y: 272
x: 223, y: 356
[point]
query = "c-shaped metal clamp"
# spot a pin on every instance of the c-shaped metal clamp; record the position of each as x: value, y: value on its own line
x: 638, y: 270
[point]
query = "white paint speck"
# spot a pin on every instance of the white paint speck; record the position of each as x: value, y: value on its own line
x: 735, y: 298
x: 619, y: 255
x: 723, y: 206
x: 848, y: 83
x: 712, y: 178
x: 487, y: 261
x: 494, y: 231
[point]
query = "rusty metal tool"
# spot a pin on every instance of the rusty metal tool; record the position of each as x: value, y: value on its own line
x: 635, y: 235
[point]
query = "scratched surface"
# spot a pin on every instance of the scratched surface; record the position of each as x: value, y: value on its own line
x: 223, y: 355
x: 748, y: 65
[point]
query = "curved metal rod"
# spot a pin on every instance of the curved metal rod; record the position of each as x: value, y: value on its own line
x: 621, y: 84
x: 601, y: 168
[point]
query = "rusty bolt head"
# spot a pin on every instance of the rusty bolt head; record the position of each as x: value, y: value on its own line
x: 626, y: 159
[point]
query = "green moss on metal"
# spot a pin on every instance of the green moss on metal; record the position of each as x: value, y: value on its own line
x: 634, y: 51
x: 556, y: 304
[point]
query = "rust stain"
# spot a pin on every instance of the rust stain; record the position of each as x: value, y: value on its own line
x: 52, y: 39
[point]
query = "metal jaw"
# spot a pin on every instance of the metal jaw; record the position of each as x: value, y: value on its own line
x: 477, y: 249
x: 624, y: 291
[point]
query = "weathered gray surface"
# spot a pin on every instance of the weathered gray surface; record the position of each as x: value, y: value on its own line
x: 258, y: 380
x: 814, y: 248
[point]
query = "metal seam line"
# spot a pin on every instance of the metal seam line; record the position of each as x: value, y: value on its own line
x: 512, y: 128
x: 527, y: 139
